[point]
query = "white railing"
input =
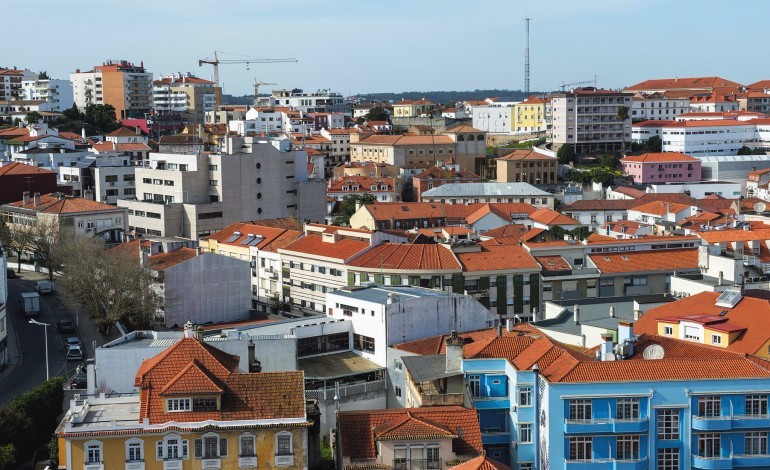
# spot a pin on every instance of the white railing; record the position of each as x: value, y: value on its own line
x: 346, y: 390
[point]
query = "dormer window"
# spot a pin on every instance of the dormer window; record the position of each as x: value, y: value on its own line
x: 178, y: 404
x: 205, y: 404
x: 345, y: 188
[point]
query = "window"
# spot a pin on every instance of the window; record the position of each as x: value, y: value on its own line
x: 580, y: 448
x: 756, y: 405
x: 525, y: 396
x: 756, y: 443
x: 172, y: 447
x: 668, y: 330
x: 80, y: 224
x: 213, y: 183
x: 474, y: 383
x: 628, y: 448
x: 709, y: 445
x: 178, y: 404
x: 627, y: 408
x: 93, y: 452
x: 398, y: 365
x: 205, y: 404
x: 134, y: 450
x: 213, y: 167
x: 283, y: 444
x: 668, y: 424
x: 432, y: 456
x: 708, y: 406
x: 363, y: 343
x: 398, y: 392
x: 525, y: 433
x: 580, y: 409
x: 526, y: 465
x: 668, y: 459
x: 246, y: 447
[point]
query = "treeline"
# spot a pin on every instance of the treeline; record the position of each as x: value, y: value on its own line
x: 447, y: 96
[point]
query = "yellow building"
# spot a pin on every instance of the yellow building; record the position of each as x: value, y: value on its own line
x: 412, y: 108
x: 529, y: 115
x: 194, y: 410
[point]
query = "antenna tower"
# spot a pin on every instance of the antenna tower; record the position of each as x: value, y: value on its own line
x: 526, y: 57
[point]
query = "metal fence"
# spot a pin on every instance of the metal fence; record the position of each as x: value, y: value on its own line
x: 346, y: 390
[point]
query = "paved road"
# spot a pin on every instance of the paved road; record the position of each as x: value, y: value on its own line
x: 31, y: 370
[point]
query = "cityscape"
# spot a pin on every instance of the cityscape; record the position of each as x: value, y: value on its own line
x: 261, y: 259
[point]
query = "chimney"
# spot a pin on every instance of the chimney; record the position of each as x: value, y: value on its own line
x: 25, y: 197
x: 637, y: 314
x: 83, y: 133
x: 188, y: 329
x: 138, y: 130
x: 576, y: 313
x: 626, y: 336
x: 91, y: 376
x: 89, y: 194
x: 37, y: 199
x: 454, y: 352
x: 605, y: 350
x: 509, y: 324
x: 499, y: 328
x: 254, y: 364
x: 721, y: 278
x: 612, y: 311
x: 199, y: 333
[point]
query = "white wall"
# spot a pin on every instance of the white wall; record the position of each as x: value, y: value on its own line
x: 493, y: 119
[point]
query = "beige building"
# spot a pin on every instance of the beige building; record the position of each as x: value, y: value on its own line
x: 186, y: 94
x: 462, y: 145
x: 527, y: 166
x: 196, y: 195
x: 412, y: 108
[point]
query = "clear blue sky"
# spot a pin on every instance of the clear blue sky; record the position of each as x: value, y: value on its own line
x: 399, y: 45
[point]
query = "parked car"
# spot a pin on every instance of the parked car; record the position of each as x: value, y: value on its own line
x: 65, y: 326
x: 73, y: 341
x: 10, y: 273
x: 44, y: 287
x: 74, y: 353
x: 79, y: 381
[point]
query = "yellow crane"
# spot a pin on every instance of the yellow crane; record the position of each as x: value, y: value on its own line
x: 216, y: 61
x: 258, y: 84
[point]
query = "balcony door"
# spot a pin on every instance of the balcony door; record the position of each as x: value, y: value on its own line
x: 416, y: 458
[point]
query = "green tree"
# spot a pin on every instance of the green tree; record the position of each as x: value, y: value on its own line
x: 102, y: 116
x: 565, y: 154
x: 349, y: 204
x: 43, y: 75
x: 609, y: 161
x: 377, y: 113
x: 622, y: 115
x: 33, y: 117
x: 73, y: 113
x: 653, y: 144
x: 744, y: 151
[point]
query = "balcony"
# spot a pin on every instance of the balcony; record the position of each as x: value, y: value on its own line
x: 137, y: 464
x: 625, y: 464
x: 94, y: 466
x: 247, y: 461
x: 416, y: 464
x: 753, y: 461
x: 712, y: 463
x: 171, y: 464
x: 283, y: 460
x: 734, y: 422
x: 211, y: 463
x: 606, y: 426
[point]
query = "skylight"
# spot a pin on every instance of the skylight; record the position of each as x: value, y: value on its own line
x: 729, y: 298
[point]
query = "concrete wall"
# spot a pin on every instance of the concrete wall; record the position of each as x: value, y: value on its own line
x: 374, y: 400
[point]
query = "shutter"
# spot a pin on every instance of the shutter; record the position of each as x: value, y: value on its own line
x: 223, y: 447
x: 502, y: 297
x: 379, y: 279
x: 518, y: 293
x: 351, y: 279
x: 484, y: 282
x: 458, y: 284
x: 159, y: 450
x: 395, y: 280
x: 436, y: 282
x: 414, y: 280
x: 364, y: 277
x: 534, y: 292
x: 198, y: 448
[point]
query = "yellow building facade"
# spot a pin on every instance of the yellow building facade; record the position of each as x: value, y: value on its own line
x: 412, y: 108
x: 529, y: 115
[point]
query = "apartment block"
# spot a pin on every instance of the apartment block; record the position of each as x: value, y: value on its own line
x: 321, y: 101
x: 668, y: 167
x: 586, y: 118
x: 529, y: 115
x: 526, y: 166
x: 11, y: 81
x: 185, y: 94
x: 57, y: 93
x: 125, y: 86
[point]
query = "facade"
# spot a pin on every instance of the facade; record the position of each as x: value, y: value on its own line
x: 642, y: 131
x: 125, y: 86
x: 321, y: 101
x: 710, y: 137
x: 57, y: 93
x: 494, y: 119
x: 433, y: 177
x: 186, y: 94
x: 669, y: 167
x: 412, y: 108
x: 526, y: 166
x: 455, y: 193
x: 196, y: 195
x: 15, y: 178
x: 194, y: 409
x: 105, y: 178
x: 11, y: 81
x: 586, y: 118
x: 658, y: 107
x: 529, y: 115
x: 382, y: 189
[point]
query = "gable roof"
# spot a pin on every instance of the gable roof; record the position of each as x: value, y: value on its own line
x: 409, y: 427
x: 548, y: 216
x: 126, y: 131
x: 17, y: 168
x: 496, y: 256
x: 656, y: 157
x: 684, y: 83
x: 650, y: 260
x: 525, y: 154
x: 272, y: 239
x: 480, y: 463
x: 397, y: 256
x: 507, y: 231
x: 169, y: 259
x: 54, y: 204
x: 312, y: 244
x: 660, y: 208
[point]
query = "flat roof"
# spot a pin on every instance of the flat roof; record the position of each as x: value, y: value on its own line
x: 330, y: 366
x: 379, y: 293
x: 285, y: 327
x: 485, y: 189
x: 424, y: 368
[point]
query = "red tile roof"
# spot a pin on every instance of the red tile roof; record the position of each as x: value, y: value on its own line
x: 497, y: 257
x: 364, y: 184
x: 410, y: 427
x: 358, y: 428
x: 735, y: 235
x: 163, y: 261
x: 397, y: 256
x: 126, y: 131
x: 525, y: 154
x: 51, y: 204
x: 480, y: 463
x: 507, y: 231
x: 651, y: 260
x: 658, y: 157
x: 548, y: 216
x: 16, y: 168
x: 684, y: 83
x: 710, y: 123
x: 272, y: 238
x: 660, y: 208
x: 463, y: 130
x: 553, y: 263
x: 435, y: 172
x: 631, y: 192
x: 311, y: 244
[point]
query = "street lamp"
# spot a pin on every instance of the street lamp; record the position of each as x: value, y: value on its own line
x: 45, y: 329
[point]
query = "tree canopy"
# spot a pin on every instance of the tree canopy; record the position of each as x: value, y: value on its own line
x: 348, y: 207
x: 565, y: 154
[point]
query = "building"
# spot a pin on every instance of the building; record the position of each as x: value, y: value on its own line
x: 714, y: 102
x: 101, y: 178
x: 529, y: 115
x: 196, y: 195
x: 412, y: 108
x: 528, y: 166
x: 186, y: 94
x: 466, y: 193
x: 11, y: 81
x: 267, y: 121
x: 419, y: 438
x: 587, y: 119
x: 493, y: 119
x: 57, y: 93
x: 125, y: 86
x: 642, y: 131
x: 754, y: 101
x: 433, y: 177
x: 658, y: 106
x: 667, y: 167
x: 713, y: 137
x: 16, y: 178
x: 698, y: 189
x: 86, y: 217
x: 690, y: 85
x: 732, y: 168
x: 321, y: 101
x: 125, y: 141
x: 194, y: 408
x: 382, y: 189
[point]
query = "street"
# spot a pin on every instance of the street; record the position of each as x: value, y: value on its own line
x: 32, y: 367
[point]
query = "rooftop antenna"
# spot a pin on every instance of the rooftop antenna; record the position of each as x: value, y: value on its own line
x: 527, y: 19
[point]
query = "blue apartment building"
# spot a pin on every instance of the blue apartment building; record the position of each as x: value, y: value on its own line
x: 643, y: 402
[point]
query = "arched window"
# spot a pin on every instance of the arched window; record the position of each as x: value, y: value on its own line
x: 93, y: 453
x: 172, y: 447
x: 460, y: 138
x: 134, y: 450
x: 211, y: 446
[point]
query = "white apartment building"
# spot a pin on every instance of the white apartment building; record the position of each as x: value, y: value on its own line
x: 586, y: 118
x: 104, y: 178
x: 125, y: 86
x: 57, y: 93
x: 267, y: 121
x: 340, y: 139
x: 657, y: 106
x: 196, y: 195
x: 493, y: 119
x: 11, y: 82
x: 321, y: 101
x: 185, y: 94
x: 714, y: 137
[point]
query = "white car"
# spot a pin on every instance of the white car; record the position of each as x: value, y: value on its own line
x: 74, y: 353
x: 44, y: 287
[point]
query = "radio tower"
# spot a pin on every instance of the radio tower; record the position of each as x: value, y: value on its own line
x: 526, y: 58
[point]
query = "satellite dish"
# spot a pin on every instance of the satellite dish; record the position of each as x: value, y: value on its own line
x: 760, y: 207
x: 654, y: 351
x: 611, y: 357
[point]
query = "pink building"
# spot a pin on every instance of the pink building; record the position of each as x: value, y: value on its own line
x: 664, y: 167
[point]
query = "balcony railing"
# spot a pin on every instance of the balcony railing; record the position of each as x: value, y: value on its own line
x: 606, y: 425
x: 416, y: 464
x: 616, y: 464
x: 172, y: 464
x: 346, y: 390
x: 725, y: 423
x: 134, y: 464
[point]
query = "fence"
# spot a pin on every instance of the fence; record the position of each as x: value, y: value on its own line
x: 346, y: 390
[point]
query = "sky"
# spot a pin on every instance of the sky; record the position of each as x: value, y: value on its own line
x: 360, y: 46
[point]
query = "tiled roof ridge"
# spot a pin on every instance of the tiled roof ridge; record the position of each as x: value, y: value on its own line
x: 393, y: 425
x: 197, y: 366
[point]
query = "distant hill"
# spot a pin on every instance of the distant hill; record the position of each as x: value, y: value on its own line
x: 444, y: 97
x: 235, y: 100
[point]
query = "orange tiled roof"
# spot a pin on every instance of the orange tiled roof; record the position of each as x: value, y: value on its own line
x: 413, y: 102
x: 660, y: 208
x: 397, y: 256
x: 435, y: 172
x: 495, y: 256
x: 126, y: 131
x: 524, y: 154
x: 163, y: 261
x: 272, y: 238
x: 51, y: 204
x: 409, y: 427
x: 507, y: 231
x: 17, y: 168
x: 658, y: 157
x: 121, y: 147
x: 548, y: 216
x: 463, y: 130
x: 480, y: 463
x: 311, y: 244
x: 363, y: 182
x: 684, y: 83
x: 735, y: 235
x: 358, y: 428
x: 651, y: 260
x: 553, y: 263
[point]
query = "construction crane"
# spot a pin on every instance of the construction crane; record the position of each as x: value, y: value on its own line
x: 258, y: 84
x: 216, y: 61
x: 586, y: 82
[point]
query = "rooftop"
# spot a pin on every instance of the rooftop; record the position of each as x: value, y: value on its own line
x: 330, y: 366
x: 398, y: 256
x: 658, y: 157
x: 485, y: 189
x: 379, y: 294
x: 652, y: 260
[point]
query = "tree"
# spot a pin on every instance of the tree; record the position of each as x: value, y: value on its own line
x: 33, y: 117
x: 73, y: 113
x: 46, y: 239
x: 19, y: 238
x: 349, y: 206
x: 653, y: 144
x: 565, y: 154
x: 622, y: 115
x: 111, y: 285
x: 43, y: 75
x: 377, y: 113
x: 102, y: 116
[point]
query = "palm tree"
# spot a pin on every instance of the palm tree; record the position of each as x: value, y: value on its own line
x: 622, y: 116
